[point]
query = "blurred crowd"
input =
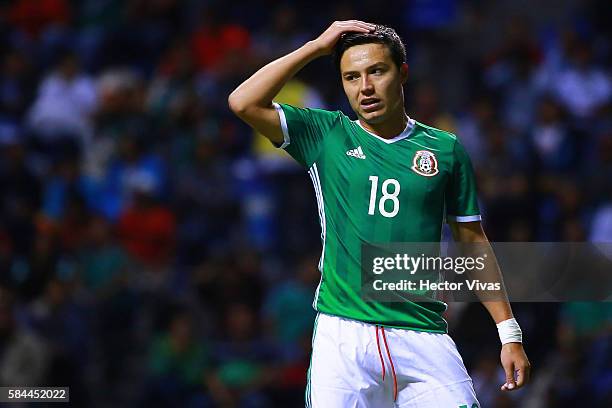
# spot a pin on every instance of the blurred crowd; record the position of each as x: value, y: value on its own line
x: 155, y: 252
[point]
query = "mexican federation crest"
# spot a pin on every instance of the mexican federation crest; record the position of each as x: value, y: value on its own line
x: 425, y: 163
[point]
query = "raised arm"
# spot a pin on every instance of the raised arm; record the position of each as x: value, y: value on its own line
x: 252, y: 100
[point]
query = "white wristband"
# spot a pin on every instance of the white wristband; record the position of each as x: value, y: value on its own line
x: 509, y: 331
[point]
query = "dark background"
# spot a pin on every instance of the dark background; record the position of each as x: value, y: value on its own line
x: 154, y: 252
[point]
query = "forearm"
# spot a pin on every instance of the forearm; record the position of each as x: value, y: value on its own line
x: 475, y: 243
x: 513, y: 357
x: 499, y: 310
x: 496, y: 302
x: 252, y: 100
x: 261, y: 88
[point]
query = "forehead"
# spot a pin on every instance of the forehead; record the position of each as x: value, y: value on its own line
x: 364, y: 55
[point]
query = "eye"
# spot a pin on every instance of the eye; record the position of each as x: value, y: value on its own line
x: 377, y: 71
x: 350, y: 77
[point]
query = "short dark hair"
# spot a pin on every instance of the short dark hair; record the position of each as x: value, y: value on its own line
x: 381, y: 35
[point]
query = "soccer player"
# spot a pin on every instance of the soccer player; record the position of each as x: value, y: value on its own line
x: 381, y: 178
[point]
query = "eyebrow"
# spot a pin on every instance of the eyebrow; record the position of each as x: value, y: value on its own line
x: 375, y: 65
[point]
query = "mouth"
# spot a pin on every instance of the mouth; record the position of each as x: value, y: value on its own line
x: 370, y: 104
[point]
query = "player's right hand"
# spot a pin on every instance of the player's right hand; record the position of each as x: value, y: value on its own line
x: 328, y: 39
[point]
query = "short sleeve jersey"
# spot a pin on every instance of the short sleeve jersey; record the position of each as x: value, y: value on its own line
x: 371, y: 190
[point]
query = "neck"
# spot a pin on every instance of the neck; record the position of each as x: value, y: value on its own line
x: 390, y: 128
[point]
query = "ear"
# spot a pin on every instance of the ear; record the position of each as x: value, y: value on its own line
x: 404, y: 72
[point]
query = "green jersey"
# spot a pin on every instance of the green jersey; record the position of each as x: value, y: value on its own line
x: 372, y: 190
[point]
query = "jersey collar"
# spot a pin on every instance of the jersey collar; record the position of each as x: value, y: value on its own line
x: 405, y: 133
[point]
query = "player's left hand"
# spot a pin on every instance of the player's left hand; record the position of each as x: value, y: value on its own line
x: 514, y: 360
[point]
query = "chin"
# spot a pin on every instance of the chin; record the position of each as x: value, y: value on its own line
x: 373, y: 117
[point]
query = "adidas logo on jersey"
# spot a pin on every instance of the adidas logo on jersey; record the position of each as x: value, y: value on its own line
x: 358, y: 153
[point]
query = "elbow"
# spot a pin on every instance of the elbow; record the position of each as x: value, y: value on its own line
x: 235, y: 104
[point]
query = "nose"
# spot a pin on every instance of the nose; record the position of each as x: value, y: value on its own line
x: 367, y: 88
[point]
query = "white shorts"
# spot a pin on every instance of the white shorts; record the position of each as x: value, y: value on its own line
x: 350, y: 359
